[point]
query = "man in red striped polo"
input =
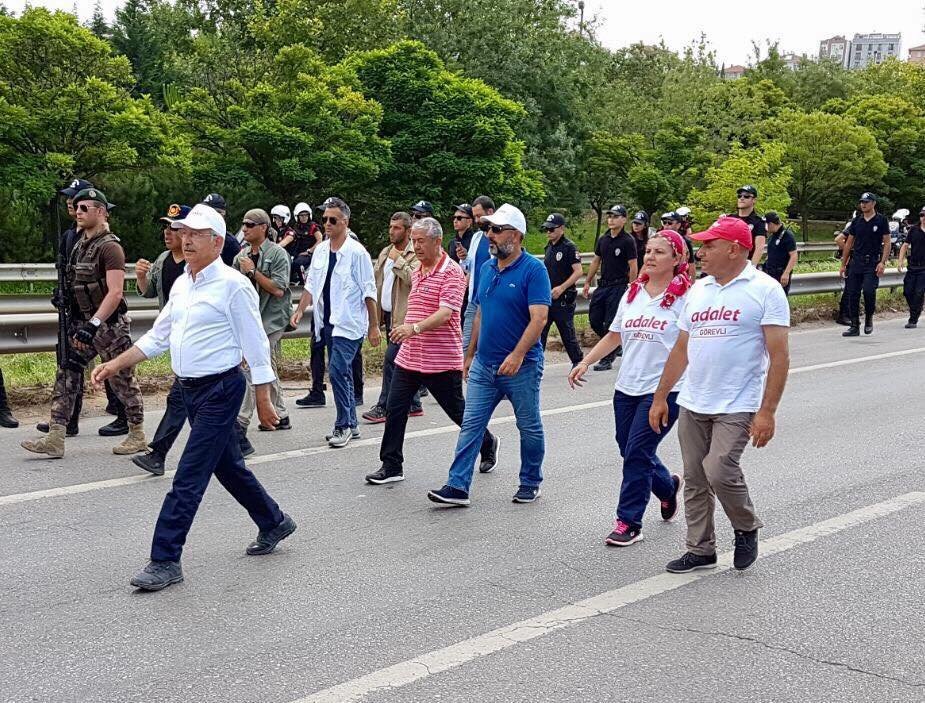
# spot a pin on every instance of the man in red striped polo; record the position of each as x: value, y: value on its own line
x: 431, y: 351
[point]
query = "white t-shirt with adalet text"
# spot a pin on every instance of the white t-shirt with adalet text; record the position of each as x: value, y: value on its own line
x: 727, y: 356
x: 648, y: 333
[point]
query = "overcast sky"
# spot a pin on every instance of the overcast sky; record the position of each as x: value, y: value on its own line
x: 730, y: 25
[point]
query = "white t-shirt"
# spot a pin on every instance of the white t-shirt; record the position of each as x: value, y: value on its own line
x: 727, y: 356
x: 388, y: 278
x: 648, y: 333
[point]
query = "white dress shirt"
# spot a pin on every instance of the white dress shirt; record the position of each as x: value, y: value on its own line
x: 210, y: 324
x: 388, y: 280
x: 352, y: 281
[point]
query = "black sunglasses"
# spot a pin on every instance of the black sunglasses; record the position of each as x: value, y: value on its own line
x: 329, y: 220
x: 498, y: 229
x: 419, y: 215
x: 247, y: 224
x: 457, y: 218
x: 747, y: 196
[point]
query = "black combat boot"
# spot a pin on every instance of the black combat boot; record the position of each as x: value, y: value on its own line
x: 6, y: 415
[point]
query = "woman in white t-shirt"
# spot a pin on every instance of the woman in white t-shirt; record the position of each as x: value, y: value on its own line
x: 646, y: 326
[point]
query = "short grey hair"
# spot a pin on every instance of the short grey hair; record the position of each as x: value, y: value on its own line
x: 402, y: 217
x: 337, y: 204
x: 430, y: 226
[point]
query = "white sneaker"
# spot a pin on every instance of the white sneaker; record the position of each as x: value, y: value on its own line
x: 341, y: 437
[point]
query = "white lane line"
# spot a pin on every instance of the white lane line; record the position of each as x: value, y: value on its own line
x: 374, y: 441
x: 439, y: 660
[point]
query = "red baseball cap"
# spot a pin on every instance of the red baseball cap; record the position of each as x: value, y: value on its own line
x: 730, y: 228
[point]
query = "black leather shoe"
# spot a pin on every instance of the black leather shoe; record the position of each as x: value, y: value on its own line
x: 117, y: 427
x: 70, y: 431
x: 851, y: 332
x: 869, y: 325
x: 158, y: 575
x: 312, y: 400
x: 266, y: 541
x: 7, y: 419
x: 152, y: 462
x: 746, y: 549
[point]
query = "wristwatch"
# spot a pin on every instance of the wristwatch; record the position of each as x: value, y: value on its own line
x: 416, y: 328
x: 251, y: 274
x: 95, y: 321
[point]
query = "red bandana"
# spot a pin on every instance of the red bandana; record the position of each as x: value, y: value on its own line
x: 681, y: 282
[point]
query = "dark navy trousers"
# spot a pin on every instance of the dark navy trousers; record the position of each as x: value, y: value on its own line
x: 212, y: 448
x: 171, y: 424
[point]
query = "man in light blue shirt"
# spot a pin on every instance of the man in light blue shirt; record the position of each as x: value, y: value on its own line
x: 473, y: 260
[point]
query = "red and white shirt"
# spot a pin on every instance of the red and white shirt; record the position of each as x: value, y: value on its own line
x: 440, y: 349
x: 727, y: 356
x: 648, y: 333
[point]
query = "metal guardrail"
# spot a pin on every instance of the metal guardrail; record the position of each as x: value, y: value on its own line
x: 28, y: 323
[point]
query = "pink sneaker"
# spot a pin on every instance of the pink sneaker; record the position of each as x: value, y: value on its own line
x: 623, y: 535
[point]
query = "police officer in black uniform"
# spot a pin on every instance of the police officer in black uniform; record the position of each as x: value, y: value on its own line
x: 914, y: 281
x: 615, y: 256
x: 231, y: 247
x: 746, y: 196
x: 782, y: 250
x: 563, y: 264
x: 863, y: 260
x: 640, y: 231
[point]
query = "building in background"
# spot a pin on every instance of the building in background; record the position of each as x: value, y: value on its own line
x: 793, y: 61
x: 917, y: 54
x: 869, y: 49
x: 732, y: 73
x: 835, y: 49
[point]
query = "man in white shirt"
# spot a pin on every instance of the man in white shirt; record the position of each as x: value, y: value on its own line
x: 209, y: 324
x: 734, y: 345
x: 341, y: 284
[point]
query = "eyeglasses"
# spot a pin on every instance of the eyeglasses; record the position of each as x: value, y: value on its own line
x: 498, y: 229
x: 419, y: 215
x: 248, y: 224
x: 745, y: 196
x: 457, y: 218
x: 329, y: 220
x: 86, y: 208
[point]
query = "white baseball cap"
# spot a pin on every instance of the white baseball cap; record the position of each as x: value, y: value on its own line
x: 203, y: 217
x: 507, y: 215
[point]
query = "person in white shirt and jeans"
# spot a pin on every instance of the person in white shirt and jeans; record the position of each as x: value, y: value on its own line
x: 733, y: 343
x: 646, y: 326
x: 341, y: 284
x: 209, y: 324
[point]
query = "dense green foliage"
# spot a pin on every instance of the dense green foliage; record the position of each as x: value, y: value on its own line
x: 384, y: 102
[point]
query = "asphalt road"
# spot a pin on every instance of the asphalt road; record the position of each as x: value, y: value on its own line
x: 380, y: 596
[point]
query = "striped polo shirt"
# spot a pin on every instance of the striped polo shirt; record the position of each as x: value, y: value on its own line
x: 440, y: 349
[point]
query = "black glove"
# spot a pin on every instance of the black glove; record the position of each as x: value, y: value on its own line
x: 86, y: 334
x: 56, y: 299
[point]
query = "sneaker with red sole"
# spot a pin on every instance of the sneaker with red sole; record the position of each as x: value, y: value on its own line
x: 623, y: 535
x: 416, y: 412
x: 375, y: 415
x: 670, y: 506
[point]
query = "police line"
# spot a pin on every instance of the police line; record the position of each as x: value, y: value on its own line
x: 29, y: 323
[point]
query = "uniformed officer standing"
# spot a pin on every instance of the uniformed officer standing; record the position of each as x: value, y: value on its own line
x: 563, y: 264
x: 232, y: 246
x: 640, y: 230
x: 914, y: 281
x: 615, y: 256
x: 210, y: 322
x: 863, y: 259
x: 746, y: 197
x: 95, y: 277
x: 782, y: 250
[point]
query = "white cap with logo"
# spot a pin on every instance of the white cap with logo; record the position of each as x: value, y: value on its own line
x: 203, y: 217
x: 508, y: 215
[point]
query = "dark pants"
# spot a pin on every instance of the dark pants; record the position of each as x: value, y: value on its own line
x: 299, y: 263
x: 212, y: 448
x: 861, y: 277
x: 319, y: 346
x: 643, y: 471
x: 388, y: 369
x: 776, y: 274
x: 914, y: 292
x: 602, y: 309
x: 562, y: 313
x: 446, y: 388
x: 168, y: 429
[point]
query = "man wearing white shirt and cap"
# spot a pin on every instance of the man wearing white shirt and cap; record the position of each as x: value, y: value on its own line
x: 210, y: 323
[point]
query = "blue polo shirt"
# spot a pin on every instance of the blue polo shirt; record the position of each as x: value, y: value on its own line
x: 504, y: 299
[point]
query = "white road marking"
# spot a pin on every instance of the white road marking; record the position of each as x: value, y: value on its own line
x: 439, y: 660
x: 374, y: 441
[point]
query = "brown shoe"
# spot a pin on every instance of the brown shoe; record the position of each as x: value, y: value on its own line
x: 135, y: 441
x: 51, y: 444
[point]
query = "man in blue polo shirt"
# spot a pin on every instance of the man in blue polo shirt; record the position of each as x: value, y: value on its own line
x: 504, y: 358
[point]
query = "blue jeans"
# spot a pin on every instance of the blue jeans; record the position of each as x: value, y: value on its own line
x: 643, y: 471
x: 485, y: 390
x: 341, y: 353
x: 212, y: 448
x: 468, y: 319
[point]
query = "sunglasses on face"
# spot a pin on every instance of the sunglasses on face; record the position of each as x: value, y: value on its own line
x: 745, y: 196
x: 498, y: 229
x: 249, y: 225
x: 87, y: 208
x: 419, y: 215
x: 329, y: 220
x: 458, y: 218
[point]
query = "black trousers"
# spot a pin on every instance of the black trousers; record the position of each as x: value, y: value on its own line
x: 562, y: 313
x: 317, y: 365
x: 446, y: 388
x: 388, y: 368
x: 914, y: 292
x: 168, y: 429
x: 861, y: 278
x: 212, y: 448
x: 776, y: 274
x: 602, y: 309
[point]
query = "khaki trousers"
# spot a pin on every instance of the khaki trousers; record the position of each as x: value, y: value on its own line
x: 276, y: 392
x: 711, y: 446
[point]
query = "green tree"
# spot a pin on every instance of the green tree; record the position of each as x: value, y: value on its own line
x: 762, y: 166
x: 816, y: 82
x: 65, y: 110
x: 608, y: 159
x: 824, y: 153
